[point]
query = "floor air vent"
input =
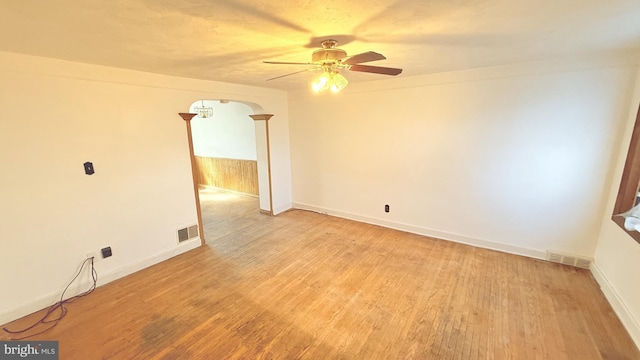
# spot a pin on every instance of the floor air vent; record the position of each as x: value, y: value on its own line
x: 187, y: 233
x: 570, y: 260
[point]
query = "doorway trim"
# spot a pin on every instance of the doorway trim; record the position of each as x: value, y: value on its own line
x: 187, y: 119
x: 194, y: 175
x: 266, y: 117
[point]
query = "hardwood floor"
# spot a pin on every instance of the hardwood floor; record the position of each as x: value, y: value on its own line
x: 225, y: 213
x: 311, y: 286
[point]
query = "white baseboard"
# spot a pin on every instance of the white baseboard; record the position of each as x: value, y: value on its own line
x: 157, y: 258
x: 511, y: 249
x: 51, y: 298
x: 619, y: 307
x: 628, y: 320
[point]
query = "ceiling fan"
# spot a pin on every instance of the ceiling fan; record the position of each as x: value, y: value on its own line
x: 331, y: 59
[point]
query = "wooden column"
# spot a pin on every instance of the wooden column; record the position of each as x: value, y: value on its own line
x: 266, y: 117
x: 187, y: 118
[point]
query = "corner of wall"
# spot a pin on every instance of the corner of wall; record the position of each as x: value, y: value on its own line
x: 617, y: 254
x: 617, y: 303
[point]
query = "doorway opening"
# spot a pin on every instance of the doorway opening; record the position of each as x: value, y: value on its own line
x: 228, y: 151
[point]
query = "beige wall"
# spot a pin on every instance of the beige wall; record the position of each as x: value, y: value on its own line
x: 617, y: 257
x: 509, y: 158
x: 55, y: 116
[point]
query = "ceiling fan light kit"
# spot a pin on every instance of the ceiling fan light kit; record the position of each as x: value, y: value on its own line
x: 329, y: 80
x: 330, y: 60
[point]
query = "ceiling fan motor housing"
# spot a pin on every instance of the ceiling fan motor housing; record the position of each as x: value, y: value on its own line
x: 322, y: 56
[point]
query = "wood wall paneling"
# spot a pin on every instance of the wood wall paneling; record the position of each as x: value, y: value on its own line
x: 232, y: 174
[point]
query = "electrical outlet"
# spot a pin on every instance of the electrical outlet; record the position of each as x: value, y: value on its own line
x: 93, y: 255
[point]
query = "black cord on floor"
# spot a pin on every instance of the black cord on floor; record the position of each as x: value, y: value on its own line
x: 48, y: 320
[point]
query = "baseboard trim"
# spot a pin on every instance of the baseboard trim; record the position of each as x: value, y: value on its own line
x: 619, y: 307
x: 622, y: 311
x: 280, y: 209
x: 157, y: 258
x: 49, y: 299
x: 486, y: 244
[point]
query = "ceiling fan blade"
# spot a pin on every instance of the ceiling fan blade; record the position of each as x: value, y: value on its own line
x: 293, y: 73
x: 286, y: 63
x: 375, y: 69
x: 364, y: 57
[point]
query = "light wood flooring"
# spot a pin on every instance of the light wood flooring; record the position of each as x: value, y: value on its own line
x: 311, y: 286
x: 227, y: 213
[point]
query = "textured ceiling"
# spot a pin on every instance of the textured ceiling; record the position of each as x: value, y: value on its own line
x: 226, y: 40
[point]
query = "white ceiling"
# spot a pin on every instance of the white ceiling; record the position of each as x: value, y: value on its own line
x: 226, y: 40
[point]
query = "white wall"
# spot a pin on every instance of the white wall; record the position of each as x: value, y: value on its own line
x: 229, y: 134
x: 509, y: 158
x: 55, y: 116
x: 617, y: 257
x: 279, y: 145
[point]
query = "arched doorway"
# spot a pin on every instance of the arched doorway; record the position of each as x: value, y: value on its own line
x: 229, y: 150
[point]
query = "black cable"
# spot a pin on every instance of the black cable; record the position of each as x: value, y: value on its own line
x: 60, y: 305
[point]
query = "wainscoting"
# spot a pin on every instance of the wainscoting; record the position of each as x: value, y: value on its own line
x: 232, y: 174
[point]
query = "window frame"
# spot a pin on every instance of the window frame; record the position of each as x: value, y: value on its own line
x: 628, y: 190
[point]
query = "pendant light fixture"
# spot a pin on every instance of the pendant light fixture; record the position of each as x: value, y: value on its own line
x: 203, y: 111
